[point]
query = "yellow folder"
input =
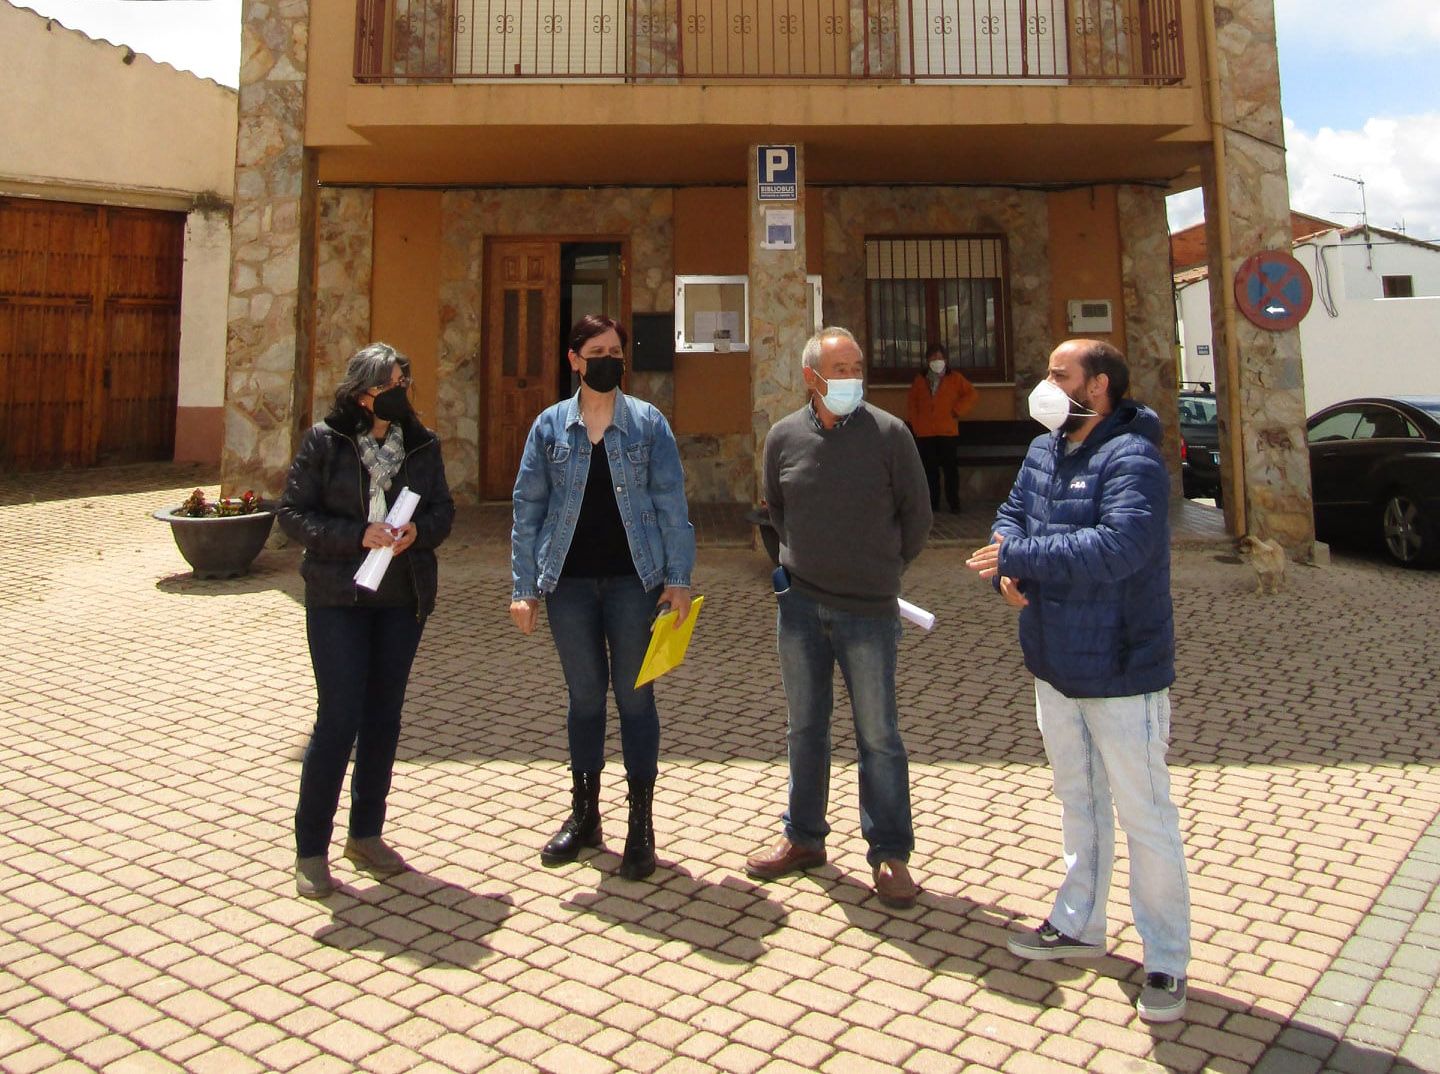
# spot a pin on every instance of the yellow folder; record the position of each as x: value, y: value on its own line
x: 668, y: 642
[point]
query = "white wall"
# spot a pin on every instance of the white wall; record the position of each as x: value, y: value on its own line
x: 74, y: 113
x: 205, y: 291
x: 1373, y: 346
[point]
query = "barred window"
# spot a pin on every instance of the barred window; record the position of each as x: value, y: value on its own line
x: 949, y: 290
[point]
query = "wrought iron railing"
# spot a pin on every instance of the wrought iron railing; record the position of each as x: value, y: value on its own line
x: 1059, y: 41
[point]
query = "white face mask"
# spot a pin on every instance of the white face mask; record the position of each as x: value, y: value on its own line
x: 842, y: 396
x: 938, y: 365
x: 1051, y: 407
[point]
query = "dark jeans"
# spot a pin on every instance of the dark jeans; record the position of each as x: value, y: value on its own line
x: 587, y: 616
x: 362, y: 659
x: 813, y: 638
x: 938, y: 454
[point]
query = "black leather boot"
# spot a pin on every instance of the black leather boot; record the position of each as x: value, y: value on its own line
x: 638, y: 861
x: 582, y: 827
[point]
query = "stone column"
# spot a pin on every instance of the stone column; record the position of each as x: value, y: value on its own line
x: 777, y: 316
x: 344, y: 268
x: 267, y: 382
x: 1270, y: 384
x: 1150, y: 312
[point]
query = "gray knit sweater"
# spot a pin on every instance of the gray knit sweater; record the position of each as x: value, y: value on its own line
x: 851, y: 506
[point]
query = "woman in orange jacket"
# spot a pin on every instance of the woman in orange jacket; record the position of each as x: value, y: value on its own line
x: 938, y: 398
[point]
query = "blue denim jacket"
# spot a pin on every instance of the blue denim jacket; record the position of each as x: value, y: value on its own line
x: 649, y: 489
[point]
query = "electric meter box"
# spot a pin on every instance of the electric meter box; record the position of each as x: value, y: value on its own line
x: 1089, y: 315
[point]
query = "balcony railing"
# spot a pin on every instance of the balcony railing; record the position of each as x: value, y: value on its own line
x: 1056, y: 41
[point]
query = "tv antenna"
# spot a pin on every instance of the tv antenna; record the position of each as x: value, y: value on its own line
x: 1364, y: 216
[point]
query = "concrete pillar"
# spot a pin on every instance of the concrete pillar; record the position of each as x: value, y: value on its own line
x: 1256, y: 212
x: 267, y: 382
x: 778, y: 329
x: 200, y: 409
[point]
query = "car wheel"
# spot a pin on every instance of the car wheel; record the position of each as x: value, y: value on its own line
x: 1407, y: 532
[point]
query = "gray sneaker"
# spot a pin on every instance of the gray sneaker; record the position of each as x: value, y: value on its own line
x: 1162, y: 999
x: 312, y: 877
x: 1048, y: 942
x: 373, y: 856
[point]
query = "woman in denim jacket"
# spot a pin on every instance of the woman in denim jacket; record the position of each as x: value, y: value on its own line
x: 603, y: 533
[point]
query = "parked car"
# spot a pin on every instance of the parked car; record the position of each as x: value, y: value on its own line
x: 1199, y: 442
x: 1375, y: 471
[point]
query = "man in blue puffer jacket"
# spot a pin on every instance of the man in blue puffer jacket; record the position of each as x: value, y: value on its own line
x: 1082, y: 548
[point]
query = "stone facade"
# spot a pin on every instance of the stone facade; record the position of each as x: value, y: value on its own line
x: 344, y: 259
x: 720, y: 469
x: 422, y: 39
x: 468, y: 218
x: 267, y: 375
x: 1150, y: 312
x: 1271, y: 386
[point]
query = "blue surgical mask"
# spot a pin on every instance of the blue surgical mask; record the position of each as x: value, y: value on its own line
x: 842, y: 396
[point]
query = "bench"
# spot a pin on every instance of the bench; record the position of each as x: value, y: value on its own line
x: 994, y: 443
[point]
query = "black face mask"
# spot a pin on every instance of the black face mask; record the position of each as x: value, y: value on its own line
x: 392, y: 405
x: 603, y: 374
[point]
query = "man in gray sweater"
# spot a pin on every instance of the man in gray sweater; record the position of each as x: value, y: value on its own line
x: 849, y: 499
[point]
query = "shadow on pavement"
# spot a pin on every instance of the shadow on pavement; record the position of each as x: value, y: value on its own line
x: 415, y: 917
x: 272, y: 572
x: 725, y: 922
x: 97, y: 481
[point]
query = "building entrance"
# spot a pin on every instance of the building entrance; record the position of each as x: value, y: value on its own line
x: 536, y: 289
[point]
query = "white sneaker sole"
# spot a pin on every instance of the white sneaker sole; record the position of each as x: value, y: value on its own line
x: 1164, y: 1014
x: 1053, y: 954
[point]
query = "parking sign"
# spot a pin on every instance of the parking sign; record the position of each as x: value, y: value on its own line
x: 775, y: 170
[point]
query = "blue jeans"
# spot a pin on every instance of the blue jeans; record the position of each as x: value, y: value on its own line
x: 362, y: 659
x: 586, y: 616
x: 1107, y: 755
x: 813, y: 638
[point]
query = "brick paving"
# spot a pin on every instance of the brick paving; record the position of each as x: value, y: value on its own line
x: 155, y: 722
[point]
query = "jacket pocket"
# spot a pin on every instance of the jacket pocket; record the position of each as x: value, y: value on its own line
x: 558, y: 453
x: 639, y: 459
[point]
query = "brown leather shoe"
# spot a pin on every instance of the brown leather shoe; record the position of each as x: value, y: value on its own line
x: 894, y: 886
x: 784, y: 859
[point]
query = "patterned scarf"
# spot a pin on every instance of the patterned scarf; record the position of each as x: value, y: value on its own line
x: 383, y: 461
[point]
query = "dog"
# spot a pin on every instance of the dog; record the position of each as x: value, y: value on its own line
x: 1268, y: 559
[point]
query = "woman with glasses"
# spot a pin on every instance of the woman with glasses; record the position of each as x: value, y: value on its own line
x: 342, y: 484
x: 602, y: 532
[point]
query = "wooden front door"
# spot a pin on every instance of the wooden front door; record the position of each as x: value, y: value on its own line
x: 522, y: 358
x: 89, y: 333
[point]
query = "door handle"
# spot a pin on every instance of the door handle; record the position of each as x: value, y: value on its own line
x: 520, y: 383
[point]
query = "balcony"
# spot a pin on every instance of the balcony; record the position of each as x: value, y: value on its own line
x: 997, y: 42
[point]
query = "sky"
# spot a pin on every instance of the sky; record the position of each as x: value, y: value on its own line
x: 1358, y: 83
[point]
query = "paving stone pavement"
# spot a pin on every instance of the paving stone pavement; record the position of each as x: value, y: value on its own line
x: 154, y: 725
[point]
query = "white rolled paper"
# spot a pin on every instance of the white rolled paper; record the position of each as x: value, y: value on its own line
x: 917, y: 615
x: 378, y: 559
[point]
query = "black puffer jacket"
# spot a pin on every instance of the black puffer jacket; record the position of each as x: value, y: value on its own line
x: 326, y: 505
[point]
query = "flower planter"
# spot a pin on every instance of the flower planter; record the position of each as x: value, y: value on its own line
x: 219, y: 546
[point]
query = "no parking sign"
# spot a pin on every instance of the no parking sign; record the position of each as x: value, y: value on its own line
x: 1273, y: 290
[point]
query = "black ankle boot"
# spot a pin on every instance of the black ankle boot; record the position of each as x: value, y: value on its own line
x: 582, y: 827
x: 639, y: 859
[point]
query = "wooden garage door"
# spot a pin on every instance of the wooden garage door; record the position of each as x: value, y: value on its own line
x: 89, y: 333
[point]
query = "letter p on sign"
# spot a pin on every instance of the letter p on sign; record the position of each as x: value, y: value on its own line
x: 777, y: 162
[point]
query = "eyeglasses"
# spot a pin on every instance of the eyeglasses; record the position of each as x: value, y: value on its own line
x: 403, y: 382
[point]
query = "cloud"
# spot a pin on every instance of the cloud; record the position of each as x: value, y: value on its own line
x: 1397, y: 156
x: 1396, y: 26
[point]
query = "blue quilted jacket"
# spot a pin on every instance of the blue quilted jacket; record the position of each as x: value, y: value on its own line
x: 1088, y: 536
